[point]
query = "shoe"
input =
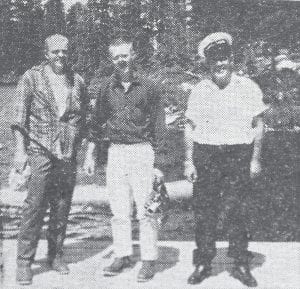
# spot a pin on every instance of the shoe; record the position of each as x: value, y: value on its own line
x: 201, y: 272
x: 59, y: 265
x: 147, y: 271
x: 117, y: 266
x: 24, y: 275
x: 243, y: 274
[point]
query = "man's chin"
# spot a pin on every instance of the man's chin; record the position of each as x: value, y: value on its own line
x: 222, y: 79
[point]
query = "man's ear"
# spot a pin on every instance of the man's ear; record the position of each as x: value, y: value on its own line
x: 46, y: 52
x: 133, y: 54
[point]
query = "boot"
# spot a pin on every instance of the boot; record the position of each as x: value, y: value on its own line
x: 201, y: 273
x: 59, y: 265
x: 117, y: 266
x: 147, y: 271
x: 243, y: 274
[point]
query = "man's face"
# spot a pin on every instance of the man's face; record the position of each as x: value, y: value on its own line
x: 122, y: 56
x: 57, y: 54
x: 220, y: 70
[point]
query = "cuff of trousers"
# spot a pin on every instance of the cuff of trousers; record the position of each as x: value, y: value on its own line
x: 200, y: 258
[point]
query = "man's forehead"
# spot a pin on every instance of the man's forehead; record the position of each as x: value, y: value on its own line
x: 122, y: 48
x: 57, y: 42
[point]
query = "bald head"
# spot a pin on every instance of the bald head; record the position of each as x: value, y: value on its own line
x: 56, y: 52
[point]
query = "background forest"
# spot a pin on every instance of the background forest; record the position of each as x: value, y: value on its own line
x: 166, y: 32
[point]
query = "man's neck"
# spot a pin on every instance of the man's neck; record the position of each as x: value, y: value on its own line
x: 125, y: 77
x: 53, y: 72
x: 222, y: 83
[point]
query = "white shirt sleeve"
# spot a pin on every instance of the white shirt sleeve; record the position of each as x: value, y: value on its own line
x: 193, y: 106
x: 255, y: 99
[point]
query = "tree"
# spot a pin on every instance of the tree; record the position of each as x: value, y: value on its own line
x: 54, y: 20
x: 74, y: 23
x: 5, y: 38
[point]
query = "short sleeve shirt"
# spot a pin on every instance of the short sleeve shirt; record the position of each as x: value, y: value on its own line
x: 224, y: 116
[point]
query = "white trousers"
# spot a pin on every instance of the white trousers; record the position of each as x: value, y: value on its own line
x: 129, y: 178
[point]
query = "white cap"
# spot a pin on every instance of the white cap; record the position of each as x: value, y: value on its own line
x: 212, y: 38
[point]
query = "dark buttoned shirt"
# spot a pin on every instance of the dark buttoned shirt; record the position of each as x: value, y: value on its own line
x: 127, y: 116
x: 37, y: 115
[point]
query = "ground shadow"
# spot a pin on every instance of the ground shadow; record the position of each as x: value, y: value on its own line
x: 75, y: 252
x: 167, y: 257
x: 223, y: 263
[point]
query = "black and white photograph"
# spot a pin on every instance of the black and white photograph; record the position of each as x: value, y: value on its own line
x: 149, y: 144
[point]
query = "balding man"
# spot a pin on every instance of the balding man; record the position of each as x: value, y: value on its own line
x: 48, y: 129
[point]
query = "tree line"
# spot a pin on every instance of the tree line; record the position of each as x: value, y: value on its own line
x: 166, y: 32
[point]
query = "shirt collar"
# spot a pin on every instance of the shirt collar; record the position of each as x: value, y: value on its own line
x: 234, y: 78
x: 134, y: 79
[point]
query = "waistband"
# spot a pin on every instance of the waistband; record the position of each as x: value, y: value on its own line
x: 224, y: 147
x: 122, y: 145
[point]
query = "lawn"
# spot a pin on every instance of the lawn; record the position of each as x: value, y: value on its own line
x: 275, y: 194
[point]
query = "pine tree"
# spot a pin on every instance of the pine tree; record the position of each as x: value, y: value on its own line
x: 5, y: 37
x: 54, y: 22
x: 28, y: 21
x: 74, y: 22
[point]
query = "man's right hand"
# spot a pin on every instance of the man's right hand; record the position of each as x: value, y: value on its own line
x: 89, y: 166
x: 190, y: 172
x: 20, y: 161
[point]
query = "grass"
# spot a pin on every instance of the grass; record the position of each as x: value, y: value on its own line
x: 275, y: 195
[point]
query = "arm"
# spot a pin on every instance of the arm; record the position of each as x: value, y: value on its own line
x: 158, y: 123
x: 189, y: 168
x: 96, y: 119
x: 22, y: 121
x: 255, y: 163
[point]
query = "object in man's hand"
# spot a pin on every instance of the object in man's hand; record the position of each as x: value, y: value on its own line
x: 18, y: 180
x: 159, y: 202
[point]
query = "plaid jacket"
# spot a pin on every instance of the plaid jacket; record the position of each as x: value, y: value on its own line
x: 37, y: 114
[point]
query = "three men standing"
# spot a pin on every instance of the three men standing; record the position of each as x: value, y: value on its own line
x: 222, y: 154
x: 49, y: 126
x: 223, y: 149
x: 130, y: 113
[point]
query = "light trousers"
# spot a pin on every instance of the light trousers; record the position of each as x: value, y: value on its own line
x: 129, y: 178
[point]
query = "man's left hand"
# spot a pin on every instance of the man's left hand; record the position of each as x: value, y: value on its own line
x: 158, y: 176
x: 255, y: 168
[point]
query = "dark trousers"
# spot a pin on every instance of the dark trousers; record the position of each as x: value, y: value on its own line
x: 220, y: 199
x: 52, y: 183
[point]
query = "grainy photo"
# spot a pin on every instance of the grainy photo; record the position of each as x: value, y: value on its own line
x: 149, y: 144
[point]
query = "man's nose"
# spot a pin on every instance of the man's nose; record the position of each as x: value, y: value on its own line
x: 61, y: 54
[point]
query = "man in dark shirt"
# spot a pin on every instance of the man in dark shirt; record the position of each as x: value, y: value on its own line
x: 48, y: 128
x: 128, y: 112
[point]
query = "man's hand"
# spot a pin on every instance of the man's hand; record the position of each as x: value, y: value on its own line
x: 255, y: 168
x: 89, y: 166
x: 158, y: 176
x: 20, y: 161
x: 190, y: 172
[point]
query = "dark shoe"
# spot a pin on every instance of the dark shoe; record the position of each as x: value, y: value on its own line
x: 59, y: 265
x: 201, y: 272
x: 117, y: 266
x: 24, y: 275
x: 242, y: 273
x: 147, y: 271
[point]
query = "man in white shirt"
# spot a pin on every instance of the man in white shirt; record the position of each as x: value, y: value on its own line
x: 223, y: 148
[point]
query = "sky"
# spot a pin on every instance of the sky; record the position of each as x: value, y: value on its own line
x: 68, y: 3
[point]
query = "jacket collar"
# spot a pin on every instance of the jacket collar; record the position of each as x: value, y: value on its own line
x: 135, y: 79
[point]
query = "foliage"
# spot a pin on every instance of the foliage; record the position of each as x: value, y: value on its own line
x: 54, y: 21
x: 166, y: 32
